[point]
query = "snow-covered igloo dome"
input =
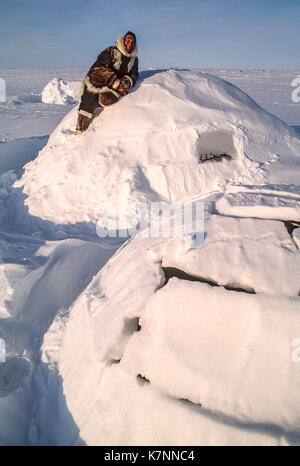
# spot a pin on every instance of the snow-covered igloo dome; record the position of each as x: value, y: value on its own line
x: 173, y: 345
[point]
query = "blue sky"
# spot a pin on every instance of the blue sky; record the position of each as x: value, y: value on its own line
x: 182, y: 33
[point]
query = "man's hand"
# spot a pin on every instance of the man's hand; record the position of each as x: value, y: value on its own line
x: 124, y: 86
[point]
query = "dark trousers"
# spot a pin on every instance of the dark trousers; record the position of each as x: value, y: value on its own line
x: 91, y: 101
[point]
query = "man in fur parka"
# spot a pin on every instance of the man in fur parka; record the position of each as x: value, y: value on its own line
x: 110, y: 77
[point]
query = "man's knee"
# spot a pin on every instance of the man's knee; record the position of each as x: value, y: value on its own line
x: 107, y: 98
x: 89, y: 103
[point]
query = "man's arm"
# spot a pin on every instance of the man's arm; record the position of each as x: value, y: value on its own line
x: 134, y: 72
x: 101, y: 73
x: 129, y: 80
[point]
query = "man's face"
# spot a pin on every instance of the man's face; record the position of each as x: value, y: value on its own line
x: 129, y: 43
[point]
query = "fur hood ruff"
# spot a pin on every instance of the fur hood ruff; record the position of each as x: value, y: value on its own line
x: 121, y: 47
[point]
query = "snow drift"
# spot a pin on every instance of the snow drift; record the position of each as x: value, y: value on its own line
x: 170, y: 345
x: 150, y: 146
x: 61, y: 92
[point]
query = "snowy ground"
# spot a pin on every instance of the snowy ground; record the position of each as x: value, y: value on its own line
x: 72, y: 341
x: 270, y: 89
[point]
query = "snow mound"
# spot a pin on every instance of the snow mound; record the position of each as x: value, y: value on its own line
x: 200, y: 341
x: 61, y: 92
x: 178, y: 135
x: 169, y: 344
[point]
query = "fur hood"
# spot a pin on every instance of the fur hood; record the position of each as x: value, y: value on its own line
x: 120, y: 46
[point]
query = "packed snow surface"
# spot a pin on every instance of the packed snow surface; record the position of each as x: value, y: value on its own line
x: 159, y: 341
